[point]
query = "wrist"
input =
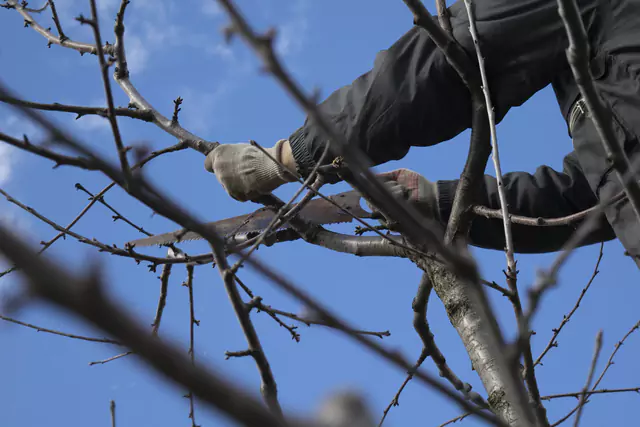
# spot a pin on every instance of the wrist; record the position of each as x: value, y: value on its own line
x: 285, y: 167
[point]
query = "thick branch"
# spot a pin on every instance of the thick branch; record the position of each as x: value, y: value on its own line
x: 464, y: 299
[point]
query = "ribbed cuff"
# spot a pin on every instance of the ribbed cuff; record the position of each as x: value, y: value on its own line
x: 300, y: 151
x: 446, y: 193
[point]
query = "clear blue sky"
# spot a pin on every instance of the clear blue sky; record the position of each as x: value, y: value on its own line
x: 176, y: 49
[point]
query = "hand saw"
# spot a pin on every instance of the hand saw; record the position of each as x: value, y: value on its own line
x: 316, y: 212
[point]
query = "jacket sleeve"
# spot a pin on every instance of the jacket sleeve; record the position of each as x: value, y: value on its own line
x: 413, y: 97
x: 544, y: 194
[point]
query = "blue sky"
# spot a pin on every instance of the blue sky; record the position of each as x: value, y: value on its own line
x: 176, y: 49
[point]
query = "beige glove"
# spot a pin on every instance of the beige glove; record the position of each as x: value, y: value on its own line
x: 246, y: 172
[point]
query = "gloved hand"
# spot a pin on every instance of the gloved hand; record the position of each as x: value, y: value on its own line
x: 246, y: 172
x: 414, y: 188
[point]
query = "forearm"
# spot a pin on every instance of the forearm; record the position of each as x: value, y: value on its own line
x: 544, y: 194
x: 413, y: 97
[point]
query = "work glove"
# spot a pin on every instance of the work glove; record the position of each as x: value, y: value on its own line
x: 245, y: 171
x: 414, y: 188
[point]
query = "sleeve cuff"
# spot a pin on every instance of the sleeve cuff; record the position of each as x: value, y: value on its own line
x: 301, y: 155
x: 446, y: 193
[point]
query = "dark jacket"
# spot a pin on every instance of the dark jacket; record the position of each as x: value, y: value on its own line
x: 412, y: 97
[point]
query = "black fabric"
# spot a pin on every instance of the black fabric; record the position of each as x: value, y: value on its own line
x: 544, y: 194
x: 412, y: 97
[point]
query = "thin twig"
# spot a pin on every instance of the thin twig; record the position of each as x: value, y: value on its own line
x: 162, y: 299
x: 257, y: 303
x: 455, y: 420
x: 57, y: 158
x: 111, y: 116
x: 56, y: 21
x: 587, y: 385
x: 116, y: 215
x: 52, y: 38
x: 396, y: 398
x: 79, y: 110
x: 565, y: 319
x: 112, y: 249
x: 63, y: 334
x: 619, y: 344
x: 41, y: 9
x: 110, y: 359
x: 99, y: 196
x: 192, y: 341
x: 601, y: 391
x: 112, y: 407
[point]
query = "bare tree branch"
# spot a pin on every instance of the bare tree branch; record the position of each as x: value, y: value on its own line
x: 546, y: 222
x: 162, y: 299
x: 81, y: 111
x: 603, y: 373
x: 592, y: 392
x: 421, y: 326
x: 511, y: 272
x: 56, y: 21
x: 110, y: 359
x: 396, y: 398
x: 587, y: 385
x: 104, y: 69
x: 192, y: 341
x: 99, y: 197
x: 85, y: 297
x: 103, y: 247
x: 53, y: 39
x: 59, y: 159
x: 565, y: 319
x: 63, y: 334
x: 122, y: 76
x: 257, y: 303
x: 117, y: 216
x: 454, y: 420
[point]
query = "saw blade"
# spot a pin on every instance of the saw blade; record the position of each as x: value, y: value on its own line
x: 317, y: 212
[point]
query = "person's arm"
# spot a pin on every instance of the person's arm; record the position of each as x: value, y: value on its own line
x: 545, y: 194
x: 412, y: 96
